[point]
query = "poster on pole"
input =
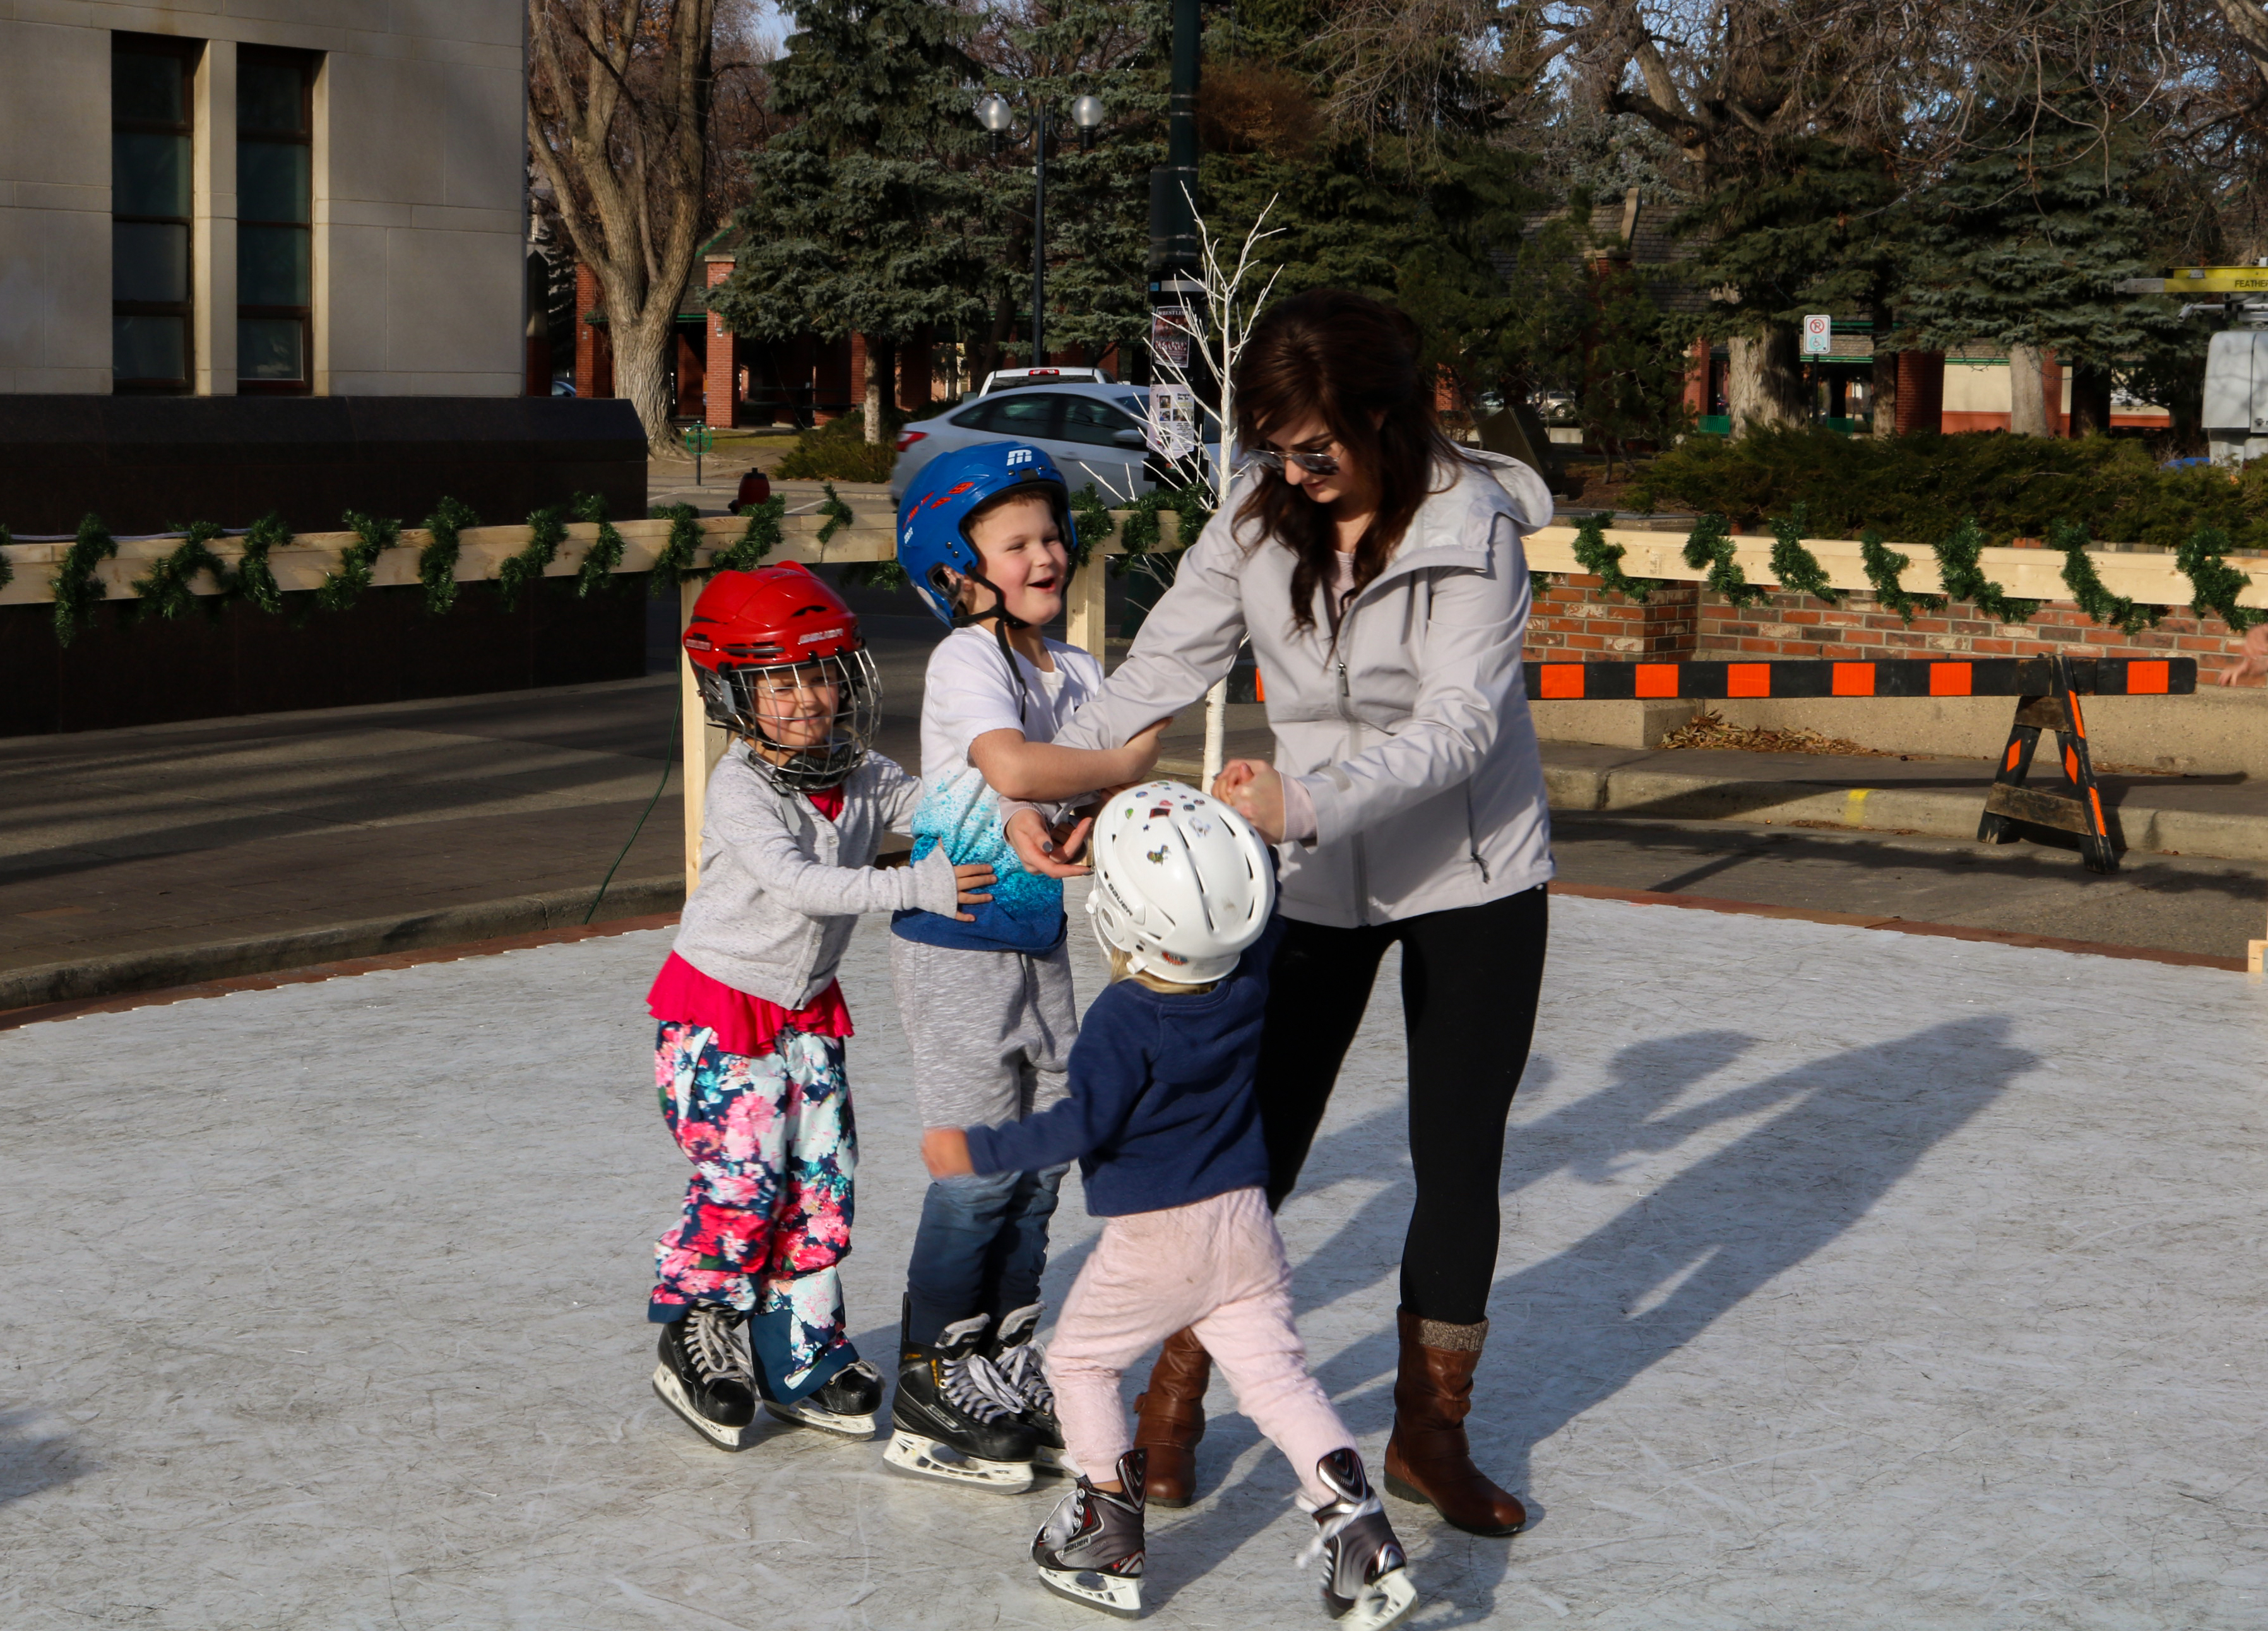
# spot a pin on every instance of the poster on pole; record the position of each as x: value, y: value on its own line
x: 1173, y: 330
x: 1818, y: 334
x: 1173, y: 421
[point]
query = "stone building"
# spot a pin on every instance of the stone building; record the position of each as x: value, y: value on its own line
x: 307, y: 197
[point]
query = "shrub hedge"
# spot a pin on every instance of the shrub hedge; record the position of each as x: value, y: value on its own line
x: 1919, y: 489
x: 820, y: 457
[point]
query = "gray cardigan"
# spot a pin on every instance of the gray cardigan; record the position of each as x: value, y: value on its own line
x: 1411, y: 732
x: 782, y: 886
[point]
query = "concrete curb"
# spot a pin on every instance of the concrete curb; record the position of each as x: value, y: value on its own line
x: 1937, y: 813
x: 125, y: 972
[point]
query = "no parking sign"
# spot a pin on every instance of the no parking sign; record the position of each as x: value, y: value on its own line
x: 1818, y: 334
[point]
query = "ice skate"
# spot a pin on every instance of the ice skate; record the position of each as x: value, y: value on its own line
x: 953, y: 1418
x: 705, y: 1377
x: 1016, y: 1357
x: 1090, y: 1550
x: 1367, y: 1582
x: 845, y: 1405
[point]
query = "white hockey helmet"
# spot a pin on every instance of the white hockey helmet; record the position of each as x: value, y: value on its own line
x: 1182, y: 884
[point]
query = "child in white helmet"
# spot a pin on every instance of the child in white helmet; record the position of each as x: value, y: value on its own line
x: 1163, y: 1120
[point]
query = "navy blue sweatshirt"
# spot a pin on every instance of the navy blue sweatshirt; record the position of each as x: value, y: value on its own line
x: 1162, y: 1110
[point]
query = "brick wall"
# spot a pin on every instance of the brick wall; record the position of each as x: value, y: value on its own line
x: 719, y: 380
x: 1574, y: 618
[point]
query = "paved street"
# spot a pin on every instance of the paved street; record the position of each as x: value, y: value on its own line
x: 1849, y: 1280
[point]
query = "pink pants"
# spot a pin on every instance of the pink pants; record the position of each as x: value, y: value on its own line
x: 1217, y: 1264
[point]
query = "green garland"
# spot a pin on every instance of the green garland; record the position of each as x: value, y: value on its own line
x: 374, y: 537
x: 1090, y: 523
x: 674, y: 563
x: 166, y: 592
x: 546, y: 532
x: 1883, y: 567
x: 1710, y: 545
x: 76, y: 586
x: 1795, y: 566
x: 1604, y: 560
x: 605, y: 551
x: 254, y: 580
x: 436, y: 562
x: 1963, y: 580
x: 1141, y: 533
x: 2215, y: 583
x: 837, y: 513
x: 2087, y: 586
x: 758, y: 539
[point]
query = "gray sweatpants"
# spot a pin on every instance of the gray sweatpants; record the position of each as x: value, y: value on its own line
x: 990, y: 1031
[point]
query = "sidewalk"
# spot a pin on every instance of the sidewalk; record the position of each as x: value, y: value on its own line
x: 136, y: 859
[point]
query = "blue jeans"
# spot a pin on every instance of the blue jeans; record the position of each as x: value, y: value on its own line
x: 981, y: 1249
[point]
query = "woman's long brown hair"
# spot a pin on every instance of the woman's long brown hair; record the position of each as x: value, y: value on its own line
x: 1346, y: 359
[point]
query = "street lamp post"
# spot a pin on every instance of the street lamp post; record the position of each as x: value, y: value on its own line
x: 995, y: 114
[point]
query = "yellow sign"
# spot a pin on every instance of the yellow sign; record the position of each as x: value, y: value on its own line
x: 2216, y: 280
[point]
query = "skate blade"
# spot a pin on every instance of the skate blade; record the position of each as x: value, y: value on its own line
x: 1054, y: 1459
x: 671, y: 1392
x: 1383, y: 1605
x: 825, y: 1421
x: 1112, y: 1594
x: 912, y: 1453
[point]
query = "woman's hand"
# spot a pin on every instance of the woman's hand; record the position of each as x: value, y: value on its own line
x: 2255, y: 660
x: 1039, y: 848
x: 1256, y: 791
x: 945, y: 1151
x: 965, y: 880
x: 1141, y: 751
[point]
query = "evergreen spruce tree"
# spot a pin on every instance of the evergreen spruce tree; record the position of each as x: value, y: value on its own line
x: 2023, y: 241
x: 871, y: 214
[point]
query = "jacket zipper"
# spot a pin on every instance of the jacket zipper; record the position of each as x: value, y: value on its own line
x: 1361, y: 858
x: 1472, y: 836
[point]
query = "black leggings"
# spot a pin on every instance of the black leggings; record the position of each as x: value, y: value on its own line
x: 1470, y: 980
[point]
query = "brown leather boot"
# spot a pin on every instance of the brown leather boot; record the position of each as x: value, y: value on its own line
x: 1427, y: 1458
x: 1169, y: 1419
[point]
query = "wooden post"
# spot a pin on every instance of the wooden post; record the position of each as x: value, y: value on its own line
x: 700, y: 745
x: 1084, y: 608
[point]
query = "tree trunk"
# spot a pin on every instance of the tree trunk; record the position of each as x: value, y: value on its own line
x: 640, y: 340
x: 1884, y: 387
x: 2027, y: 396
x: 1765, y: 381
x: 881, y: 386
x: 2090, y: 401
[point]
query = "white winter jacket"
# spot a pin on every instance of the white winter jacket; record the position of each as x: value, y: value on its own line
x: 1410, y: 734
x: 782, y: 886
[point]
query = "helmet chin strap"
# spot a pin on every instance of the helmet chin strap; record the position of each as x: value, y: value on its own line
x: 1002, y: 620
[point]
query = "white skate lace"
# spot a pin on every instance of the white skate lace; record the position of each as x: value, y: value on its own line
x: 1020, y: 1369
x: 711, y: 1340
x: 1332, y: 1528
x: 973, y: 1383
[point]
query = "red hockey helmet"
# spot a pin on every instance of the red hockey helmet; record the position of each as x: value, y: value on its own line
x: 766, y: 647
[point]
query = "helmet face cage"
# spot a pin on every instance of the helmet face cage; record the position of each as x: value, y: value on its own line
x: 773, y: 707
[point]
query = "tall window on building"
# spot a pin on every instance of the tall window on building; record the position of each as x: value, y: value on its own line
x: 275, y: 206
x: 150, y: 114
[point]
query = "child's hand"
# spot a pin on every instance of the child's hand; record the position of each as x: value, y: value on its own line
x: 966, y: 880
x: 945, y: 1151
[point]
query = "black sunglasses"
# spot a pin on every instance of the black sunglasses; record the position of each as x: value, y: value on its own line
x: 1314, y: 464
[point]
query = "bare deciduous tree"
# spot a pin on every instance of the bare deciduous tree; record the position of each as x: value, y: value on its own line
x: 618, y: 113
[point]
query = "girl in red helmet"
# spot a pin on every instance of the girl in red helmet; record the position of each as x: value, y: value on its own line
x: 749, y: 1058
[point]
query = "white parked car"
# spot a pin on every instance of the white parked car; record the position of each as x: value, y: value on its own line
x: 1017, y: 379
x: 1095, y: 432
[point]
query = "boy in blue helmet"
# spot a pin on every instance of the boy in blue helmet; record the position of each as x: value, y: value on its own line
x: 984, y: 535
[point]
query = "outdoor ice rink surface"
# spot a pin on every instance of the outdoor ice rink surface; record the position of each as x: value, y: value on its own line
x: 1849, y: 1279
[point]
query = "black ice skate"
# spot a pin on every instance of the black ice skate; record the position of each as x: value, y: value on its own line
x: 845, y: 1405
x: 1365, y: 1578
x: 705, y: 1377
x: 1016, y: 1357
x: 1091, y: 1549
x: 950, y: 1418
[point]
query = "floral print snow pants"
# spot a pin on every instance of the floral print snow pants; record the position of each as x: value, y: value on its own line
x: 768, y: 1214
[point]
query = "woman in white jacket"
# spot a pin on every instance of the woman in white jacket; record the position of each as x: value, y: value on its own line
x: 1377, y: 572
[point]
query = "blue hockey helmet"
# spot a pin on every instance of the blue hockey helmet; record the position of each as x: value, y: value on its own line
x: 933, y: 522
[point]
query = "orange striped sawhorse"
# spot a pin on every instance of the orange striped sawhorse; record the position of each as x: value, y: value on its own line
x: 2049, y: 689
